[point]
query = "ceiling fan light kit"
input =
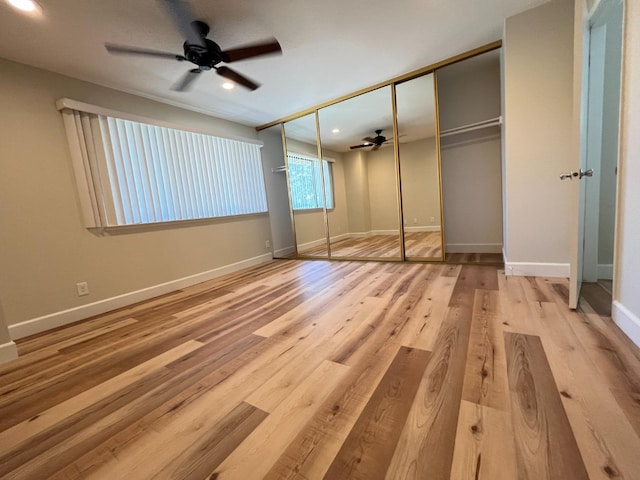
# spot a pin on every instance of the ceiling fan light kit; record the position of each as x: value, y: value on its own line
x: 200, y: 50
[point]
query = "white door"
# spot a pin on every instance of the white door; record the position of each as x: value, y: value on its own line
x: 593, y: 252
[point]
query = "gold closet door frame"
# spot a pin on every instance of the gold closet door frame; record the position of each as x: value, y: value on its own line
x: 433, y: 68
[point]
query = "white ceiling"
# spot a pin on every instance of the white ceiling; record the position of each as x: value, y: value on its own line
x: 330, y: 48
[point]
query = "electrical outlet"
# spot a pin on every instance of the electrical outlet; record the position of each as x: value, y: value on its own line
x: 267, y: 244
x: 83, y: 289
x: 433, y: 219
x: 415, y: 220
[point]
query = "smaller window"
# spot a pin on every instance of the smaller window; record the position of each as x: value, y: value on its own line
x: 306, y: 182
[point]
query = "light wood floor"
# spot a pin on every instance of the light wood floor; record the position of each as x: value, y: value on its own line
x: 333, y: 370
x: 417, y: 244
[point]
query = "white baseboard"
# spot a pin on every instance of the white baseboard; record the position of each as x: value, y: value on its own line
x: 605, y: 272
x: 424, y: 228
x: 315, y: 243
x: 473, y: 248
x: 628, y: 322
x: 8, y: 351
x: 372, y: 232
x: 283, y: 252
x: 537, y: 269
x: 342, y: 236
x: 58, y: 319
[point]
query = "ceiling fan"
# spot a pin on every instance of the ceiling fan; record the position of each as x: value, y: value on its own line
x: 375, y: 142
x: 201, y: 51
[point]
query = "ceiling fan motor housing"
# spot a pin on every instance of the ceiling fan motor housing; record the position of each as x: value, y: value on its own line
x: 203, y: 56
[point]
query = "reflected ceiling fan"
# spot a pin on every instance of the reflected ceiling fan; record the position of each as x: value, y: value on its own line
x: 375, y: 142
x: 201, y: 51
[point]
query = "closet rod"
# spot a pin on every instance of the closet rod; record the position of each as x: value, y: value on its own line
x: 492, y: 122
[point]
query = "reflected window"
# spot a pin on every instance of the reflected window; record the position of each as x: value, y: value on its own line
x: 306, y: 182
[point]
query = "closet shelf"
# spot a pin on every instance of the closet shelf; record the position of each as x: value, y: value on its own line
x: 492, y: 122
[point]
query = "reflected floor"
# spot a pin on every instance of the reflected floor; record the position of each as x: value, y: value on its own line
x: 422, y: 244
x: 418, y: 244
x: 598, y: 296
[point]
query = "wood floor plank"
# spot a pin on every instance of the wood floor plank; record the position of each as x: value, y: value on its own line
x: 273, y: 392
x: 203, y: 456
x: 485, y: 448
x: 367, y: 451
x: 545, y: 444
x: 514, y: 306
x: 605, y: 437
x: 30, y: 446
x: 425, y: 448
x: 278, y: 429
x: 284, y: 369
x: 485, y: 380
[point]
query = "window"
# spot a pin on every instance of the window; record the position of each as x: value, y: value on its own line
x: 306, y: 182
x: 131, y: 173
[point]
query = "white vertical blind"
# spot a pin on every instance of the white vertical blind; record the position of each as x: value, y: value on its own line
x: 137, y: 173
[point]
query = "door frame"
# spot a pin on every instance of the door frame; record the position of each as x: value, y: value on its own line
x: 585, y: 20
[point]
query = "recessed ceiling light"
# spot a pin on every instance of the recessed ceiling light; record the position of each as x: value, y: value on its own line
x: 24, y: 5
x: 335, y: 130
x: 227, y: 85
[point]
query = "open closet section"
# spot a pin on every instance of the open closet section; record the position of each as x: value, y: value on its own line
x: 469, y: 101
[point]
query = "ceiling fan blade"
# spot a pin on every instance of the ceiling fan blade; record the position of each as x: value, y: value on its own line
x: 369, y: 140
x: 182, y: 17
x: 125, y: 50
x: 236, y: 77
x: 253, y: 50
x: 375, y: 148
x: 186, y: 81
x: 364, y: 145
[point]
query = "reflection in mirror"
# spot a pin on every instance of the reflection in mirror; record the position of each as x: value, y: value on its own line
x: 357, y: 138
x: 275, y: 179
x: 419, y: 168
x: 307, y: 187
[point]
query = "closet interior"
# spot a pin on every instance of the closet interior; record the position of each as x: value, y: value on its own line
x: 469, y: 96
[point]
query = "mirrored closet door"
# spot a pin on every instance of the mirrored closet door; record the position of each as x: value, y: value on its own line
x: 356, y: 137
x: 308, y: 179
x: 419, y: 168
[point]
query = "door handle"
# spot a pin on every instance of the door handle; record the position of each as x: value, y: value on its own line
x: 570, y: 175
x: 579, y: 174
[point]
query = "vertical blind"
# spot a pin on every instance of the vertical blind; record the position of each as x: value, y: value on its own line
x: 138, y: 173
x: 306, y: 182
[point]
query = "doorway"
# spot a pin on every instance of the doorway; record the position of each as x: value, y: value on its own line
x: 602, y: 144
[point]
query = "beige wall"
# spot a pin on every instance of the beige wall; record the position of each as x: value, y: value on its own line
x: 357, y: 194
x: 471, y: 186
x: 627, y: 278
x: 420, y: 186
x: 538, y: 96
x: 383, y: 196
x: 338, y: 216
x: 469, y: 91
x: 44, y: 249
